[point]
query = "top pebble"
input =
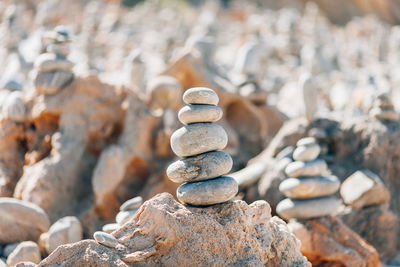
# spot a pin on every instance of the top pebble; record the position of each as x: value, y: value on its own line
x: 200, y: 95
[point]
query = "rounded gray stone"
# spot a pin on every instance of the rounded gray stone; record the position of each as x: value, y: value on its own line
x: 25, y: 251
x: 131, y: 204
x: 308, y: 168
x: 14, y: 107
x: 201, y: 167
x: 306, y: 141
x: 200, y: 95
x: 105, y: 239
x: 309, y: 187
x: 198, y: 138
x: 124, y: 216
x: 199, y: 113
x: 308, y: 208
x: 110, y: 227
x: 306, y: 152
x: 208, y: 192
x: 64, y: 231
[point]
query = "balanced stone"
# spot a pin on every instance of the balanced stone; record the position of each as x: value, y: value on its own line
x: 124, y: 216
x: 384, y: 114
x: 309, y: 187
x: 105, y: 239
x: 306, y: 141
x: 52, y: 82
x: 208, y: 192
x: 200, y: 167
x: 306, y: 152
x: 198, y: 138
x: 49, y: 62
x: 199, y: 113
x: 131, y: 204
x: 308, y: 208
x: 110, y: 227
x: 200, y: 95
x: 308, y: 168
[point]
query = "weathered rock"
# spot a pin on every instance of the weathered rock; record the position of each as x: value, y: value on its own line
x: 208, y: 192
x: 200, y: 95
x: 308, y: 168
x: 328, y: 241
x: 364, y: 188
x: 105, y: 239
x: 309, y: 187
x: 110, y: 227
x: 198, y: 138
x: 124, y: 216
x: 64, y: 231
x: 199, y: 113
x: 21, y: 221
x: 14, y: 107
x: 306, y: 152
x: 308, y: 208
x: 377, y: 225
x: 25, y: 251
x: 133, y: 203
x: 200, y: 167
x: 172, y: 234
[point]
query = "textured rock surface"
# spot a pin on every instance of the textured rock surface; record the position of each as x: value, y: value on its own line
x: 171, y: 234
x: 25, y: 251
x: 328, y: 241
x: 20, y: 221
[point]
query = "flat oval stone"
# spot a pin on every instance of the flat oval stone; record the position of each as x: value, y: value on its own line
x: 49, y: 62
x: 208, y: 192
x: 308, y: 208
x: 385, y: 114
x: 198, y: 138
x: 131, y: 204
x: 308, y: 168
x: 124, y: 216
x: 201, y: 167
x: 199, y: 113
x: 306, y: 152
x: 309, y: 187
x: 306, y: 141
x: 110, y: 227
x: 105, y: 239
x: 200, y: 95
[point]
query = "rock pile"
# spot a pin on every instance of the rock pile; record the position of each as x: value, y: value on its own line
x: 54, y: 70
x: 309, y: 189
x: 198, y: 142
x: 127, y: 210
x: 383, y: 109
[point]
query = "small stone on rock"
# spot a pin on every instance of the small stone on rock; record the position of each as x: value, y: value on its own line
x: 105, y: 239
x: 131, y: 204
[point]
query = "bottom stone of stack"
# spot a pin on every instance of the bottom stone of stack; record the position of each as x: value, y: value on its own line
x: 308, y: 208
x: 209, y: 192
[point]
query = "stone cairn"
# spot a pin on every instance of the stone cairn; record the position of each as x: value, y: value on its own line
x: 383, y: 108
x: 127, y: 211
x: 309, y: 190
x: 197, y: 143
x: 53, y: 69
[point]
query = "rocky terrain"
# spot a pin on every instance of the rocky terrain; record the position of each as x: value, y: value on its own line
x: 198, y: 133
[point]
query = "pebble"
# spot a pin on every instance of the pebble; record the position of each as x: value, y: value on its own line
x: 309, y: 187
x: 384, y: 114
x: 200, y: 95
x: 198, y: 138
x: 199, y: 113
x: 49, y: 83
x: 14, y: 107
x: 105, y: 239
x: 306, y: 141
x: 49, y: 62
x: 124, y: 216
x: 200, y: 167
x: 208, y: 192
x: 110, y: 227
x: 64, y: 231
x: 131, y: 204
x: 25, y: 251
x: 306, y: 152
x: 308, y: 168
x: 308, y: 208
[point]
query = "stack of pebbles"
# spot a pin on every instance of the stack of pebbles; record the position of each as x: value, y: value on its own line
x: 53, y: 69
x: 309, y: 189
x: 197, y: 143
x: 383, y: 108
x: 127, y: 210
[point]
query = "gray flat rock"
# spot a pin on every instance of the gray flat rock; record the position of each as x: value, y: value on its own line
x: 308, y: 168
x: 309, y: 187
x: 200, y: 95
x: 131, y: 204
x: 199, y: 113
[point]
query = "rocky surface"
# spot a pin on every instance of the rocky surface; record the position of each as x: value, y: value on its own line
x: 168, y: 233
